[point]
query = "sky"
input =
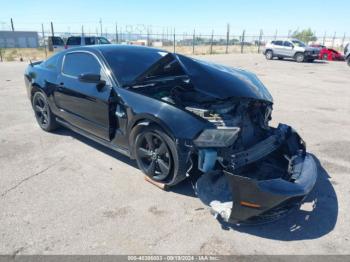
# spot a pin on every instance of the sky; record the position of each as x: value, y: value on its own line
x: 183, y: 15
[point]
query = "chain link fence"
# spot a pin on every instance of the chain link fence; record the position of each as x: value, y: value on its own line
x: 184, y: 43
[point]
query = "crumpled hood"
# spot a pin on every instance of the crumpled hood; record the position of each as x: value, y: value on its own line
x: 223, y: 82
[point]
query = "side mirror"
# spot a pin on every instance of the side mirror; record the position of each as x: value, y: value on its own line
x: 292, y: 46
x: 94, y: 79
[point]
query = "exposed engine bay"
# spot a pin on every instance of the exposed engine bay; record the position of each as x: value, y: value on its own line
x: 253, y: 161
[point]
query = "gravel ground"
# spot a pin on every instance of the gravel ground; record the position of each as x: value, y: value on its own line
x: 63, y: 194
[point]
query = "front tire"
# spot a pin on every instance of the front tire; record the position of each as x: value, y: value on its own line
x: 43, y: 114
x: 299, y: 57
x: 157, y: 156
x: 269, y: 55
x: 348, y: 61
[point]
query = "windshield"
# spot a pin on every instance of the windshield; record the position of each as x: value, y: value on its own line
x: 298, y: 43
x: 128, y: 63
x: 103, y: 41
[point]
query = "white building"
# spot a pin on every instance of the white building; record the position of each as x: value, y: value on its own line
x: 19, y: 39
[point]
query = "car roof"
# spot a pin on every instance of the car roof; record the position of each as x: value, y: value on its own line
x: 114, y: 47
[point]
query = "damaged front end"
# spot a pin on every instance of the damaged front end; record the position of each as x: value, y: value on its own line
x: 261, y: 183
x: 250, y: 171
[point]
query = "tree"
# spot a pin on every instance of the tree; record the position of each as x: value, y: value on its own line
x: 305, y: 35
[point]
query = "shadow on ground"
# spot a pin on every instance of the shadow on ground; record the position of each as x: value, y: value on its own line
x: 95, y: 145
x: 306, y: 62
x: 318, y: 218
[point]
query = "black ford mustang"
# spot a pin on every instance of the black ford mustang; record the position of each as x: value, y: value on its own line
x: 178, y: 117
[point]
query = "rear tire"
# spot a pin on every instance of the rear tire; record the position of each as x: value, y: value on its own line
x: 269, y: 55
x: 157, y: 156
x: 299, y: 57
x: 43, y: 113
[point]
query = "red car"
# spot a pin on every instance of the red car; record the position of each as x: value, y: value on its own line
x: 329, y: 54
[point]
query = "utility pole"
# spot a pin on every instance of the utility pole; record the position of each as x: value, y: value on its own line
x: 193, y: 40
x: 43, y: 32
x: 148, y: 36
x: 335, y: 33
x: 52, y: 31
x: 82, y: 30
x: 342, y: 42
x: 116, y: 33
x: 227, y: 37
x: 12, y: 27
x: 211, y: 42
x: 242, y: 42
x: 174, y: 43
x: 101, y: 26
x: 260, y: 39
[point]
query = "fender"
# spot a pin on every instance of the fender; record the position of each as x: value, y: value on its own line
x: 178, y: 123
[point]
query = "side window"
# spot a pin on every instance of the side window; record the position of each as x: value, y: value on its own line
x: 52, y: 62
x: 278, y: 43
x: 89, y: 40
x: 76, y: 64
x: 286, y: 43
x: 57, y: 40
x: 74, y: 40
x: 273, y: 42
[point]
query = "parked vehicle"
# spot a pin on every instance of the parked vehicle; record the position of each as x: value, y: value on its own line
x: 75, y: 41
x: 292, y: 48
x: 55, y: 43
x: 178, y: 117
x: 329, y: 54
x: 347, y: 53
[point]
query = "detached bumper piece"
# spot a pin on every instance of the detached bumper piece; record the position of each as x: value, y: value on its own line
x: 262, y: 183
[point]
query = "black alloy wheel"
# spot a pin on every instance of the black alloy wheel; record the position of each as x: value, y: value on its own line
x: 43, y: 113
x: 154, y: 156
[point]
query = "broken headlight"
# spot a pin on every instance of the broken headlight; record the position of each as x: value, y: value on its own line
x: 221, y: 137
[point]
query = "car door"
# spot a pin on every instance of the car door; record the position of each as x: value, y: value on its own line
x: 288, y: 49
x: 278, y: 48
x: 82, y: 104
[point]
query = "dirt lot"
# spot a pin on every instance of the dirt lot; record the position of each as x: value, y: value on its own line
x: 63, y: 194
